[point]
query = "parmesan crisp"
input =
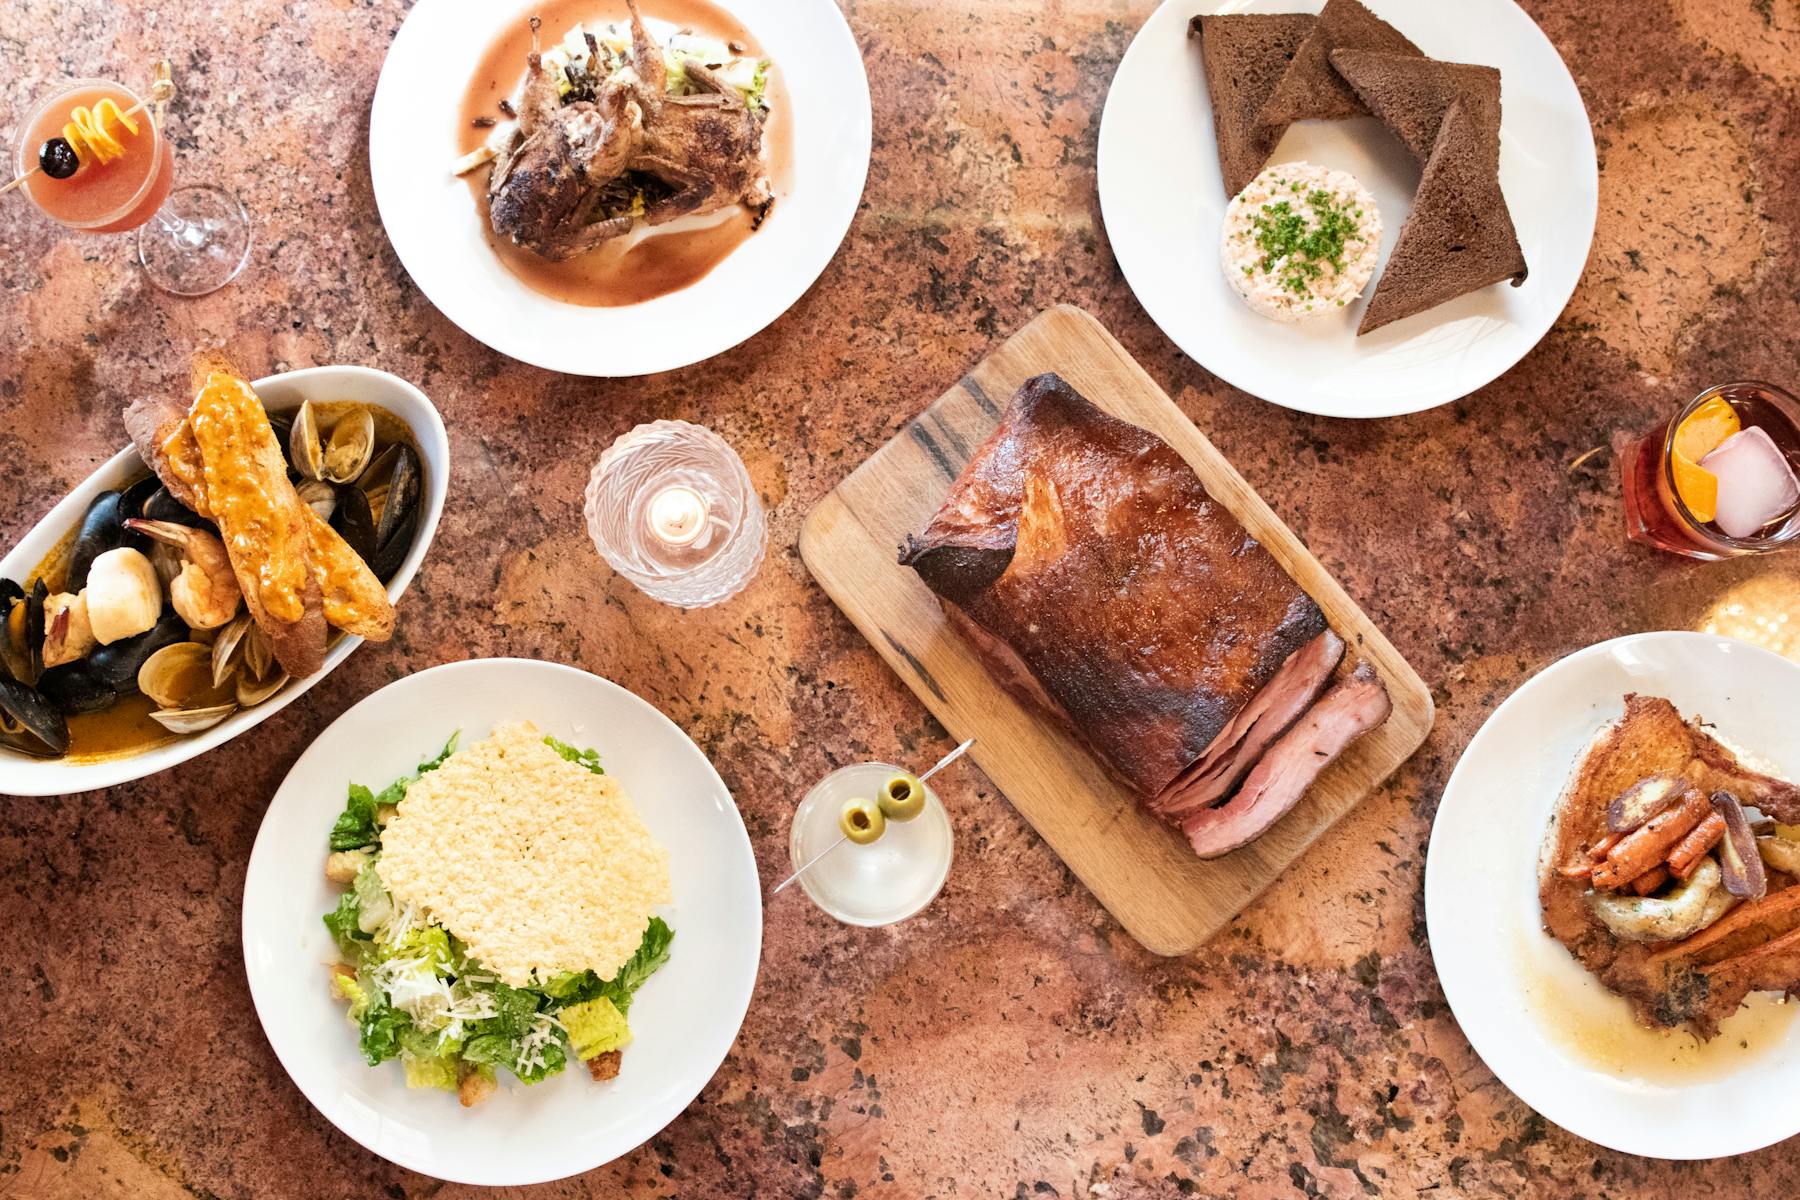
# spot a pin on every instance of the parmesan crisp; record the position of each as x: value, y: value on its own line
x: 538, y: 864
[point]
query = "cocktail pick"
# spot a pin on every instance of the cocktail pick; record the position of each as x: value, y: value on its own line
x: 815, y: 859
x: 162, y: 89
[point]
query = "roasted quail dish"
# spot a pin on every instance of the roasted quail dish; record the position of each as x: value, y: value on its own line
x: 612, y: 134
x: 1671, y: 870
x: 206, y: 585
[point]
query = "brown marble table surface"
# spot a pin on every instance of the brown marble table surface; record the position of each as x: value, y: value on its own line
x: 1011, y: 1041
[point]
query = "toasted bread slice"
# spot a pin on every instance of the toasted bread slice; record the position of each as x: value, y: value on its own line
x: 1459, y: 236
x: 1244, y: 57
x: 354, y: 599
x: 1309, y: 90
x: 261, y: 518
x: 1410, y: 94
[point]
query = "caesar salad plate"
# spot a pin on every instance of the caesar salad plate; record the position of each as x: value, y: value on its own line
x: 683, y: 1020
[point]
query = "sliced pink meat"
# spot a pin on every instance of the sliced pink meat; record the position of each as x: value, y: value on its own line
x: 1268, y: 715
x: 1276, y: 783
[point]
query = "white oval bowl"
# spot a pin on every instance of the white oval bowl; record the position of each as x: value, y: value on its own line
x: 22, y: 775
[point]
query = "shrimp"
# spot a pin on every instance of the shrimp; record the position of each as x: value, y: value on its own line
x: 205, y: 592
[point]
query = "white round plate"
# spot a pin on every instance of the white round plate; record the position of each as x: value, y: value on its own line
x: 432, y: 221
x: 1508, y: 982
x: 683, y: 1021
x: 1163, y: 202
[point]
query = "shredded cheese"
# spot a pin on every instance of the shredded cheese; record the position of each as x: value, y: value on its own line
x: 537, y: 864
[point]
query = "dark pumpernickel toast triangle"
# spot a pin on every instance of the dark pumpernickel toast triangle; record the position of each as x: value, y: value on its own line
x: 1310, y: 89
x: 1244, y: 56
x: 1410, y: 94
x: 1459, y: 237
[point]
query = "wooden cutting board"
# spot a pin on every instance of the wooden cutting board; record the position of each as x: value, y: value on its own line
x: 1142, y: 871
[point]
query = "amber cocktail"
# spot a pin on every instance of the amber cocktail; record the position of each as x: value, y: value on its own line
x: 94, y: 158
x: 1719, y: 480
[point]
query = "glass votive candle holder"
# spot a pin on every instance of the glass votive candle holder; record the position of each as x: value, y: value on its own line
x: 671, y: 508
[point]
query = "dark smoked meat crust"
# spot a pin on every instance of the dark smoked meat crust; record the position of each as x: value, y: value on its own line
x: 1143, y: 613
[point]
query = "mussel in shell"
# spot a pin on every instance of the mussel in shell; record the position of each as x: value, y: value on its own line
x: 391, y: 486
x: 22, y: 639
x: 163, y: 506
x: 355, y: 523
x: 29, y: 723
x: 94, y: 682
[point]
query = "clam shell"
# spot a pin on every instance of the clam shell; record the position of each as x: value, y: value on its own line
x: 351, y: 446
x: 304, y: 451
x: 251, y: 693
x: 226, y: 647
x: 179, y: 676
x: 259, y: 656
x: 319, y: 496
x: 192, y: 720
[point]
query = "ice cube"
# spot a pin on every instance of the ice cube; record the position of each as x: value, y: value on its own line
x: 1756, y: 482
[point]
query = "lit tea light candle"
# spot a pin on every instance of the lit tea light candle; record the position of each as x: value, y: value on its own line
x: 678, y: 515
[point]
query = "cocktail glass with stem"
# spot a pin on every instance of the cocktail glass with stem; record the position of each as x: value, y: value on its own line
x: 191, y: 240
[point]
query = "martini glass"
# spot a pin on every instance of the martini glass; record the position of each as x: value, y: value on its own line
x: 191, y: 240
x: 886, y: 881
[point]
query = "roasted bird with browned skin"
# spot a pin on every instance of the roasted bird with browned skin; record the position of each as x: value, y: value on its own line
x: 687, y: 154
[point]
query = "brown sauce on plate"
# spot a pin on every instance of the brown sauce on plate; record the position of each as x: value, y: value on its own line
x: 630, y: 269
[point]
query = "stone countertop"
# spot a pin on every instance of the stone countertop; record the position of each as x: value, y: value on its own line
x: 1011, y: 1041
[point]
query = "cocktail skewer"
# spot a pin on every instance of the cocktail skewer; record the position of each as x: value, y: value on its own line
x: 161, y: 89
x: 814, y: 860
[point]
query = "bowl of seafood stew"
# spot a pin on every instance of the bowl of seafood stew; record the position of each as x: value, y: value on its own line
x: 108, y: 748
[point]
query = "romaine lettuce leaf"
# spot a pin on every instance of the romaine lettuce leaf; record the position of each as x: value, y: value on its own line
x: 589, y: 758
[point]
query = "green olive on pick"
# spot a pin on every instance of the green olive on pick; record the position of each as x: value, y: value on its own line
x: 902, y: 797
x: 862, y: 821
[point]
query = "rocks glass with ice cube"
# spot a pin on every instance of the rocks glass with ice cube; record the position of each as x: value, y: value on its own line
x: 1755, y: 470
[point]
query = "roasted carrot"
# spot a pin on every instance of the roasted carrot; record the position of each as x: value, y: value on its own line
x: 1600, y: 848
x: 1645, y: 847
x: 1686, y: 855
x: 1777, y: 904
x: 1787, y: 943
x: 1650, y: 880
x: 1582, y: 870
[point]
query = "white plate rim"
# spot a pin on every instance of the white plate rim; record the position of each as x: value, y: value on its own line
x: 264, y: 849
x: 1280, y: 386
x: 625, y: 336
x: 1565, y: 1109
